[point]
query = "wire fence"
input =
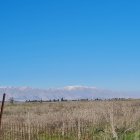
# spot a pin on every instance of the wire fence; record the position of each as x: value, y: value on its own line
x: 58, y: 131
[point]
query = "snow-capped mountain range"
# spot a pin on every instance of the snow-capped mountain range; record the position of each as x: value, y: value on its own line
x: 69, y: 93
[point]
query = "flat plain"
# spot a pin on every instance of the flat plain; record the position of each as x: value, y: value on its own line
x: 72, y: 120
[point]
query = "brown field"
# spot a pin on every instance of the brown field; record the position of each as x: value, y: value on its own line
x: 104, y: 119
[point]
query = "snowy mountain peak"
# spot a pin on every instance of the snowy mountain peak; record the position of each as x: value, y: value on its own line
x: 68, y: 92
x: 78, y: 87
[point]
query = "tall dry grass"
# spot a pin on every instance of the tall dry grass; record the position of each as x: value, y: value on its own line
x: 111, y: 117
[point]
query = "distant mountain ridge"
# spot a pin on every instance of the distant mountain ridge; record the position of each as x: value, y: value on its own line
x: 69, y: 93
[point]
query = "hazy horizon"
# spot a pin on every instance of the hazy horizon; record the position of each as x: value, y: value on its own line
x: 68, y: 93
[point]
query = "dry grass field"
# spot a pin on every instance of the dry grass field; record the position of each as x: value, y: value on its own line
x: 74, y: 120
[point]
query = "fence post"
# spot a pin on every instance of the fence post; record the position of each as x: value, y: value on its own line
x: 79, y: 129
x: 2, y: 106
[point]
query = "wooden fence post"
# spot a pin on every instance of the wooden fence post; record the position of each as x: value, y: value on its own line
x: 2, y: 106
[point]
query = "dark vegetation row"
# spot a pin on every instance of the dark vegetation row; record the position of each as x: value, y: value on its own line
x: 12, y: 100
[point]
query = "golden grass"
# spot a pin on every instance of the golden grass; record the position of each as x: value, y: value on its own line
x: 112, y: 117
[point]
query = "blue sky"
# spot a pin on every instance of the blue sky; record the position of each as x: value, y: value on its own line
x: 57, y: 43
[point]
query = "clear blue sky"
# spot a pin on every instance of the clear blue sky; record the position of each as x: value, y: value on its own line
x: 54, y: 43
